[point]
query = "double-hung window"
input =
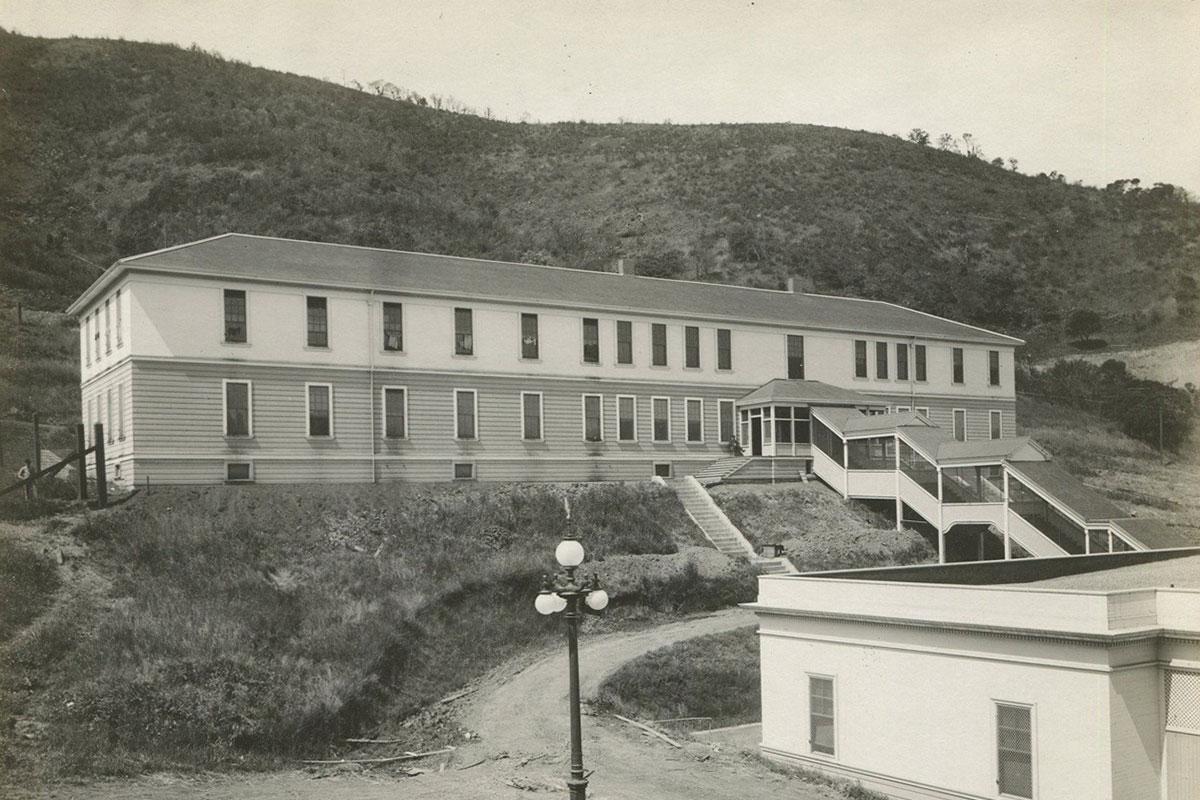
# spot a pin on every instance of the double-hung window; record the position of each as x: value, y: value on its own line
x: 110, y: 429
x: 87, y: 339
x: 860, y: 358
x: 238, y: 417
x: 235, y: 316
x: 658, y: 344
x: 121, y: 411
x: 691, y: 347
x: 593, y: 422
x: 724, y: 349
x: 393, y: 327
x: 725, y: 420
x: 107, y: 329
x: 1014, y: 750
x: 919, y: 359
x: 318, y: 321
x: 529, y: 337
x: 993, y: 367
x: 960, y: 424
x: 901, y: 361
x: 694, y: 410
x: 881, y: 360
x: 624, y: 342
x: 117, y: 313
x: 995, y: 422
x: 464, y: 332
x: 821, y: 732
x: 660, y: 412
x: 531, y: 416
x: 96, y: 336
x: 395, y: 412
x: 319, y: 402
x: 465, y: 426
x: 626, y: 418
x: 958, y: 364
x: 591, y: 340
x: 795, y: 357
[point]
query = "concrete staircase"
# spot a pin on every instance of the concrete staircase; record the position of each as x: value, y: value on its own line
x: 721, y: 469
x: 717, y: 528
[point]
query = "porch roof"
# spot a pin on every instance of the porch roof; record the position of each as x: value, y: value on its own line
x: 1019, y: 448
x: 784, y: 390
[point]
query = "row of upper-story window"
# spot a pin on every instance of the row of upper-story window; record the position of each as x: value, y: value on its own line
x: 910, y: 359
x: 103, y: 326
x: 238, y: 402
x: 919, y: 359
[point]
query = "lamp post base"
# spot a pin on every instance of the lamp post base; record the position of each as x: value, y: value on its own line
x: 577, y: 788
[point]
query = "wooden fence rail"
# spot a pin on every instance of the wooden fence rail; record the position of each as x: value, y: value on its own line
x: 81, y: 453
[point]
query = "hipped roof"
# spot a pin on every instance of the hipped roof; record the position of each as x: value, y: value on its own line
x: 241, y: 256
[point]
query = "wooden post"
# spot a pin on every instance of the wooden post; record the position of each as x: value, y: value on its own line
x: 101, y: 468
x: 81, y: 448
x: 37, y: 445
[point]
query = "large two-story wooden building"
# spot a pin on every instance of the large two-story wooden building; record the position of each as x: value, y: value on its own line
x: 241, y: 358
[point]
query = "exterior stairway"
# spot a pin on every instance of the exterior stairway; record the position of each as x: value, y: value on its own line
x: 719, y: 530
x: 721, y: 469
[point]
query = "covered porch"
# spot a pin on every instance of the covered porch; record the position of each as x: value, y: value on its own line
x: 775, y: 420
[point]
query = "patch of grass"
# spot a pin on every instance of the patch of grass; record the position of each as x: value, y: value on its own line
x: 28, y: 580
x: 710, y: 676
x: 251, y: 624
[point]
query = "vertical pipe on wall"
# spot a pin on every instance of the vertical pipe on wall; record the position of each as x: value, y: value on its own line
x: 371, y: 371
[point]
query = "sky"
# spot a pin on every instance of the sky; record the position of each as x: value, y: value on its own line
x: 1094, y: 90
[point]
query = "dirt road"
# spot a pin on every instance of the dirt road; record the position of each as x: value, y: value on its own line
x: 522, y: 724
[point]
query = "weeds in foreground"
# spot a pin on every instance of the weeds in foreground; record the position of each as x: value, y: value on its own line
x: 247, y: 625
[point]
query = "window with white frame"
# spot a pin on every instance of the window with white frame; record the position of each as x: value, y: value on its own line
x: 694, y: 411
x: 626, y: 418
x: 239, y: 420
x: 860, y: 358
x: 881, y: 360
x: 531, y: 416
x: 395, y: 412
x: 96, y: 335
x: 464, y: 332
x: 465, y: 422
x: 317, y: 321
x: 235, y: 316
x: 923, y: 411
x: 993, y: 367
x: 117, y: 313
x: 724, y: 349
x: 593, y: 422
x: 591, y: 340
x: 239, y: 471
x: 658, y: 344
x: 821, y: 731
x: 529, y: 337
x: 393, y: 327
x: 957, y: 358
x: 87, y: 339
x: 120, y: 411
x: 464, y: 470
x: 624, y: 342
x: 107, y: 328
x: 725, y: 420
x: 111, y: 432
x: 960, y: 425
x: 995, y: 420
x: 795, y: 356
x: 319, y: 402
x: 660, y: 414
x: 901, y: 361
x: 1014, y: 750
x: 691, y: 347
x: 920, y: 362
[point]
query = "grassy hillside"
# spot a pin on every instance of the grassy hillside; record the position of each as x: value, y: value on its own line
x: 109, y: 148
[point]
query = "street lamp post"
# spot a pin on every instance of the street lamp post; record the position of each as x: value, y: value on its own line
x: 574, y: 597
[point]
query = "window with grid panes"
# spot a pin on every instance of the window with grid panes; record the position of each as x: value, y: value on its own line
x: 919, y: 359
x: 795, y: 357
x: 724, y: 349
x: 393, y: 327
x: 860, y: 359
x: 235, y: 316
x: 626, y: 418
x: 531, y: 416
x: 464, y: 414
x: 821, y: 737
x: 237, y: 408
x: 320, y: 410
x: 318, y: 322
x: 658, y: 344
x: 529, y: 336
x: 660, y: 408
x: 881, y: 360
x: 593, y: 427
x: 624, y: 342
x: 1014, y: 746
x: 958, y: 365
x: 395, y: 424
x: 464, y: 332
x: 901, y: 362
x: 993, y: 367
x: 591, y: 340
x: 694, y: 408
x: 691, y: 347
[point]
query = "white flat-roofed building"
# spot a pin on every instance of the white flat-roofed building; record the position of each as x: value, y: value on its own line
x: 255, y: 358
x: 1055, y: 679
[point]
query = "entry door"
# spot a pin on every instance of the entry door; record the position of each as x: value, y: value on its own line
x: 756, y: 436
